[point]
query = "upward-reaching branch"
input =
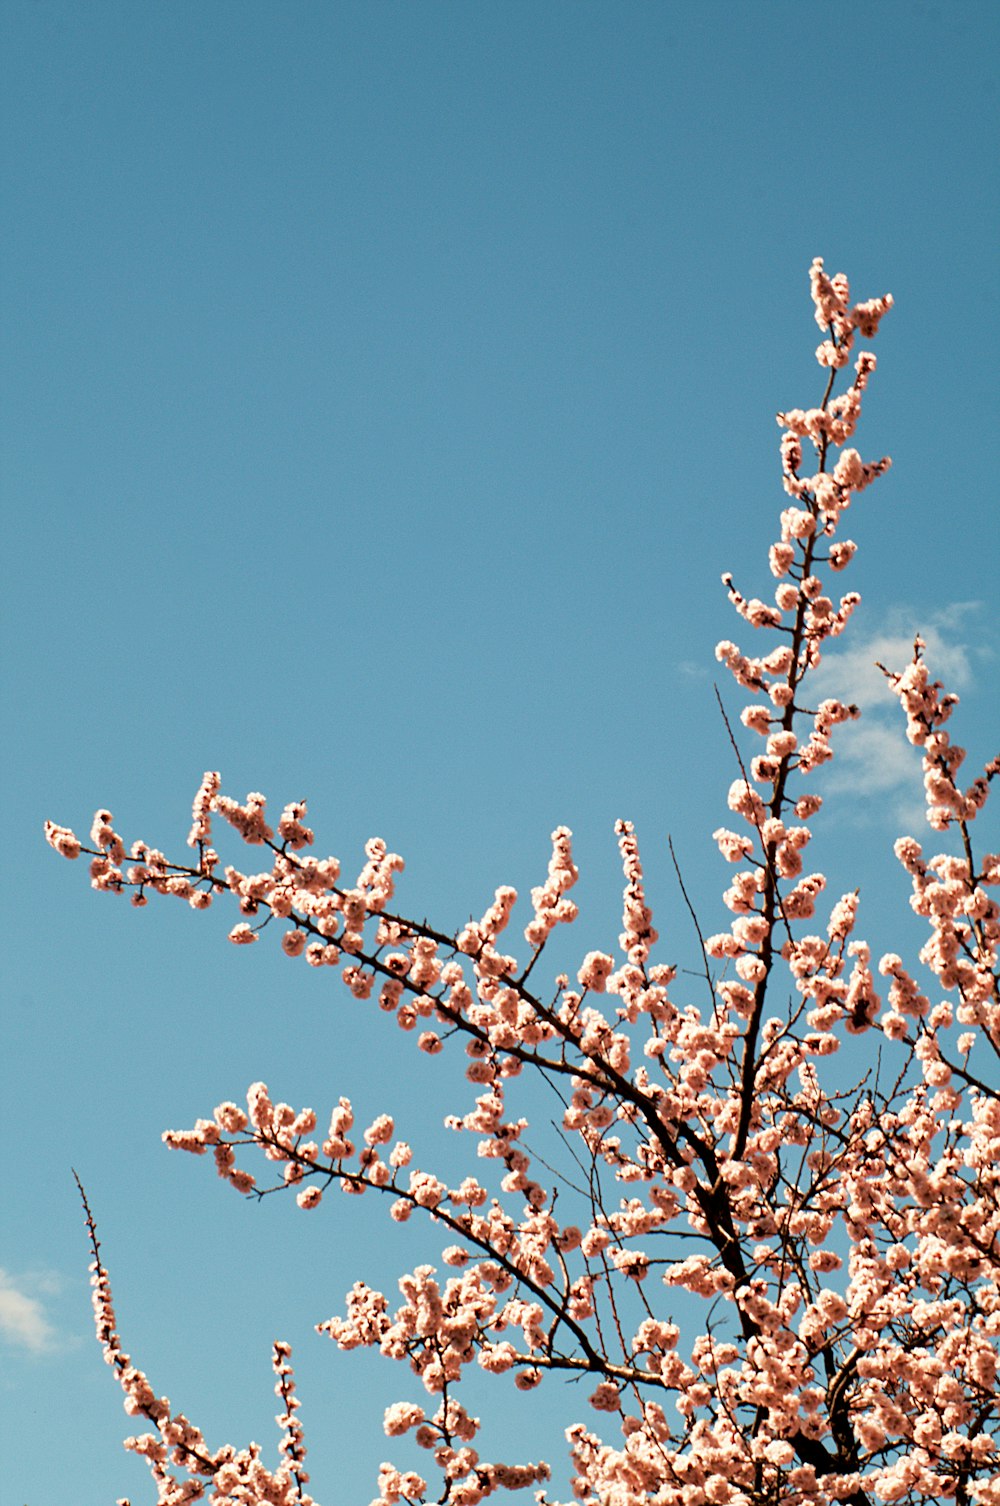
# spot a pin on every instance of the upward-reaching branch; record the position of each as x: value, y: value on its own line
x: 834, y: 1250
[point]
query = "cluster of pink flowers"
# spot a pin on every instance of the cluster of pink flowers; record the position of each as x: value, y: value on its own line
x: 182, y: 1466
x: 844, y: 1243
x: 638, y: 937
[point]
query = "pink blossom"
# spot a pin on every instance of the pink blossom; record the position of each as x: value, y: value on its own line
x: 62, y: 839
x: 595, y: 970
x: 774, y: 1269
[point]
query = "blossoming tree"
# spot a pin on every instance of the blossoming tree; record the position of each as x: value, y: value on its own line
x: 837, y: 1247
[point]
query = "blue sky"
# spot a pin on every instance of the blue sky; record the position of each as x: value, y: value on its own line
x: 386, y: 387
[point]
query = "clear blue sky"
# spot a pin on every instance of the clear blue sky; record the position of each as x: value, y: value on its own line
x: 385, y: 388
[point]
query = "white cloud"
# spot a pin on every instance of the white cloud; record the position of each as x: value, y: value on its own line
x: 873, y: 761
x: 23, y: 1323
x: 879, y: 772
x: 691, y: 669
x: 853, y: 675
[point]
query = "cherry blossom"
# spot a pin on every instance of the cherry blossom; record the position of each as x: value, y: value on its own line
x: 778, y: 1284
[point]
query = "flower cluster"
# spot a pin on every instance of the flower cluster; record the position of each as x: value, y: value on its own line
x: 834, y: 1249
x: 183, y: 1467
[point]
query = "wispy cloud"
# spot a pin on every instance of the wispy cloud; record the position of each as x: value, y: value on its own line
x: 946, y: 652
x: 23, y: 1322
x: 874, y: 763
